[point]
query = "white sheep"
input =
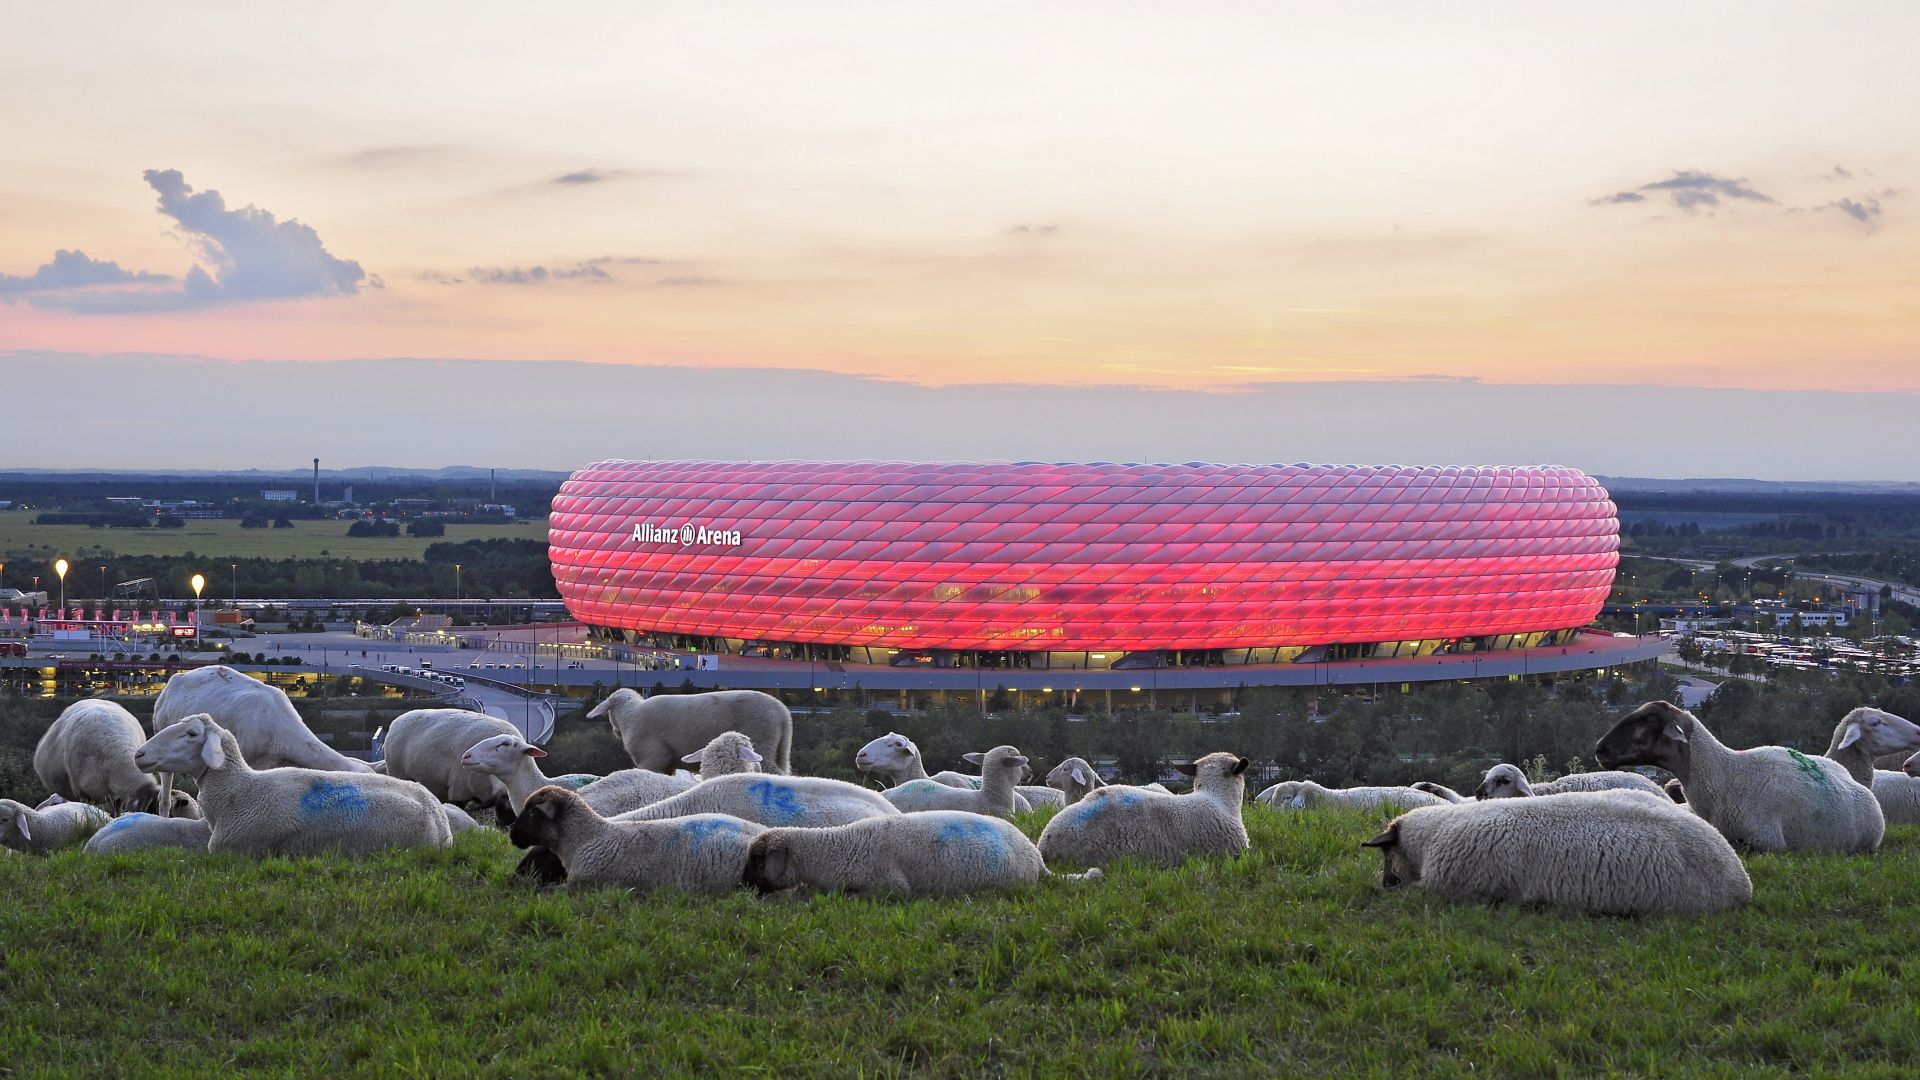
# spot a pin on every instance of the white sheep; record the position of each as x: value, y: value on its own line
x: 1305, y: 795
x: 87, y: 755
x: 291, y: 811
x: 1861, y: 738
x: 427, y: 745
x: 39, y: 831
x: 139, y: 832
x: 1445, y: 793
x: 511, y: 760
x: 1073, y: 778
x: 1618, y: 852
x: 699, y: 853
x: 725, y: 754
x: 1117, y: 821
x: 458, y: 820
x: 1505, y: 781
x: 1768, y: 798
x: 936, y: 853
x: 262, y: 717
x: 895, y: 756
x: 631, y: 789
x: 1000, y: 769
x: 656, y: 731
x: 807, y: 801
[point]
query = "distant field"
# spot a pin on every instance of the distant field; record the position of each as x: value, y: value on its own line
x: 225, y: 537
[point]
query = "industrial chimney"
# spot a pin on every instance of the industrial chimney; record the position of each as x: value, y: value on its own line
x: 316, y: 481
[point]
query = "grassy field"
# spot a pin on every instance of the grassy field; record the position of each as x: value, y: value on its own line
x: 224, y: 537
x: 1287, y: 961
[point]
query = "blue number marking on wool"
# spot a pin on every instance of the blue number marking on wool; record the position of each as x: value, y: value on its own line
x: 777, y: 800
x: 978, y: 834
x: 326, y: 800
x: 1098, y: 803
x: 697, y: 833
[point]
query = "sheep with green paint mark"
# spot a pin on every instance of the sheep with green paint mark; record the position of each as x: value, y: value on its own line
x: 513, y: 761
x: 1122, y: 821
x: 39, y: 831
x: 700, y: 853
x: 935, y: 853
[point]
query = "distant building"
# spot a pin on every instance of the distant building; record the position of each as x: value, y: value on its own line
x: 280, y: 495
x: 123, y: 500
x: 503, y: 509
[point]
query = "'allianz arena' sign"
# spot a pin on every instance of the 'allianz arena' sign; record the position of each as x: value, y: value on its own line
x: 687, y: 535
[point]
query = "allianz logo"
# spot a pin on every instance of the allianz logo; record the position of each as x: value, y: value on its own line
x: 686, y: 535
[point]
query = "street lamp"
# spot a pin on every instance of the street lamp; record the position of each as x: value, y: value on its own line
x: 456, y: 581
x: 235, y: 567
x: 60, y: 567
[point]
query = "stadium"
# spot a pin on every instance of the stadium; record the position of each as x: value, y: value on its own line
x: 1098, y: 576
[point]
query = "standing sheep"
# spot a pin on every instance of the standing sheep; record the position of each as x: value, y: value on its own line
x: 1863, y: 736
x: 1505, y: 781
x: 808, y: 801
x: 1768, y: 798
x: 292, y: 811
x: 656, y: 731
x: 725, y: 754
x: 87, y: 755
x: 1000, y: 768
x: 936, y: 853
x: 1305, y: 794
x: 1119, y: 821
x: 426, y: 746
x: 702, y: 853
x: 1615, y: 852
x: 37, y: 832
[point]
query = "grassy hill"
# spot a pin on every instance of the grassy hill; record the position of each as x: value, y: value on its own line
x: 224, y: 538
x: 1286, y: 961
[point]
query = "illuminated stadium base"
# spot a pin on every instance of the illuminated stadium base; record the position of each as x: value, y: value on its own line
x: 966, y: 573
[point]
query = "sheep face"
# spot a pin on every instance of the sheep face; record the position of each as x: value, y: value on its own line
x: 15, y: 832
x: 1911, y: 766
x: 543, y: 819
x: 892, y: 753
x: 498, y: 755
x: 1286, y: 795
x: 728, y: 742
x: 1397, y: 865
x: 1000, y: 758
x: 769, y: 866
x: 1653, y: 734
x: 1503, y: 782
x: 190, y: 746
x: 1072, y: 771
x: 1880, y: 732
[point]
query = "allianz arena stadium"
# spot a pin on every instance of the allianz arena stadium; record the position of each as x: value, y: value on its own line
x: 1086, y: 567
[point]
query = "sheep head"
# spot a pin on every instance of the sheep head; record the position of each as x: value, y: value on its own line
x: 192, y: 745
x: 1503, y: 781
x: 892, y: 753
x: 1657, y: 733
x: 1397, y: 865
x: 542, y: 821
x: 1878, y: 731
x: 498, y: 755
x: 769, y: 868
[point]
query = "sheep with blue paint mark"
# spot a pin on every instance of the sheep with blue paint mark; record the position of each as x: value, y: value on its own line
x: 1119, y: 821
x: 700, y: 853
x: 141, y: 832
x: 292, y: 811
x: 811, y: 802
x: 1000, y: 771
x: 933, y: 853
x: 34, y: 831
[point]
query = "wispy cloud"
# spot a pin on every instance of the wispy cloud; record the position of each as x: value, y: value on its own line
x: 589, y: 176
x: 395, y: 156
x: 589, y: 270
x: 76, y: 270
x: 1690, y: 190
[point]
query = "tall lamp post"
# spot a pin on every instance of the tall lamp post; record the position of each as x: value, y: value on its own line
x: 199, y: 583
x: 456, y: 582
x: 235, y: 567
x: 60, y: 568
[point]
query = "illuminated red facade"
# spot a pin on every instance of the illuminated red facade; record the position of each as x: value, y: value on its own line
x: 1074, y: 557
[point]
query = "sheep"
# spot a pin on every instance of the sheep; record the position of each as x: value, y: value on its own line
x: 427, y: 745
x: 87, y: 755
x: 1862, y: 737
x: 699, y: 853
x: 657, y: 730
x: 1305, y: 794
x: 935, y: 853
x: 1117, y: 821
x: 1446, y: 793
x: 36, y: 832
x: 139, y: 832
x: 1000, y: 767
x: 458, y: 820
x: 631, y: 789
x: 1073, y: 778
x: 1615, y: 851
x: 510, y: 760
x: 184, y: 806
x: 290, y: 811
x: 724, y: 755
x: 1768, y: 798
x: 895, y: 756
x: 809, y: 801
x: 1505, y: 781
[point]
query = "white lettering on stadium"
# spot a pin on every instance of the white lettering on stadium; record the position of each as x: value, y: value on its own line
x: 685, y: 535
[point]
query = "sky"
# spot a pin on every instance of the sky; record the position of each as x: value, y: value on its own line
x: 1211, y: 208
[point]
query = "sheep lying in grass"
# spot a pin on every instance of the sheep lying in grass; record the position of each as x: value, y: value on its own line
x: 1000, y: 769
x: 1616, y: 852
x: 1505, y: 781
x: 657, y: 730
x: 935, y: 853
x: 138, y: 832
x: 1862, y: 736
x: 1768, y: 798
x: 510, y: 760
x: 700, y: 853
x: 895, y: 757
x: 458, y: 820
x: 1119, y: 821
x: 292, y: 811
x: 807, y: 801
x: 1073, y: 778
x: 427, y: 745
x: 87, y: 755
x: 260, y: 716
x: 1445, y: 793
x: 37, y: 832
x: 1307, y: 795
x: 630, y: 789
x: 726, y: 754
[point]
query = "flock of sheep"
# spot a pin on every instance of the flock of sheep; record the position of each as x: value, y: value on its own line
x: 1610, y: 841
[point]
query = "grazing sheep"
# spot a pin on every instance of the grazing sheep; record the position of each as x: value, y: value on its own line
x: 1505, y: 781
x: 1768, y: 798
x: 1865, y: 735
x: 895, y: 756
x: 1118, y: 821
x: 292, y: 811
x: 1000, y: 769
x: 138, y: 832
x: 1305, y: 794
x: 725, y: 754
x: 656, y: 731
x: 1446, y: 793
x: 1616, y: 852
x: 510, y: 760
x: 936, y: 853
x: 807, y: 801
x: 37, y: 832
x: 427, y: 745
x: 700, y: 853
x: 87, y: 756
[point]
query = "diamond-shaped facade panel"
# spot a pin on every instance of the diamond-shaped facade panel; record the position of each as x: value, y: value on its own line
x: 1090, y: 556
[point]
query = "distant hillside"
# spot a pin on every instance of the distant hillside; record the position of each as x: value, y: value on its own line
x: 1760, y: 487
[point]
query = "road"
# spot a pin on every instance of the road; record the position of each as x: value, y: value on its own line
x: 1905, y: 594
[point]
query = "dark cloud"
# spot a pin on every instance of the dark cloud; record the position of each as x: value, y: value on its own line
x: 1618, y: 197
x: 589, y: 176
x: 1839, y: 173
x: 439, y: 278
x: 1690, y: 190
x: 1866, y: 211
x: 76, y: 270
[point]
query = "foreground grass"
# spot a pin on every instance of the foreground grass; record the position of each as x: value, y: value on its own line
x: 224, y: 538
x: 1288, y: 960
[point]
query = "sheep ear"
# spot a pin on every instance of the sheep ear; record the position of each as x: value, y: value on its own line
x: 1189, y: 768
x: 212, y: 754
x: 1299, y: 801
x: 21, y: 820
x: 1677, y: 731
x: 748, y: 753
x: 1385, y: 839
x: 1080, y: 776
x: 694, y: 758
x: 1239, y: 767
x: 1852, y: 736
x: 973, y: 759
x: 534, y: 751
x: 774, y: 862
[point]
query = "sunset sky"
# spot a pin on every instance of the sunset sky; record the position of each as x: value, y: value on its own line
x: 1191, y: 196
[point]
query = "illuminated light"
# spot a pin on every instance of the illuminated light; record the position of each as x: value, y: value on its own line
x: 1134, y: 689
